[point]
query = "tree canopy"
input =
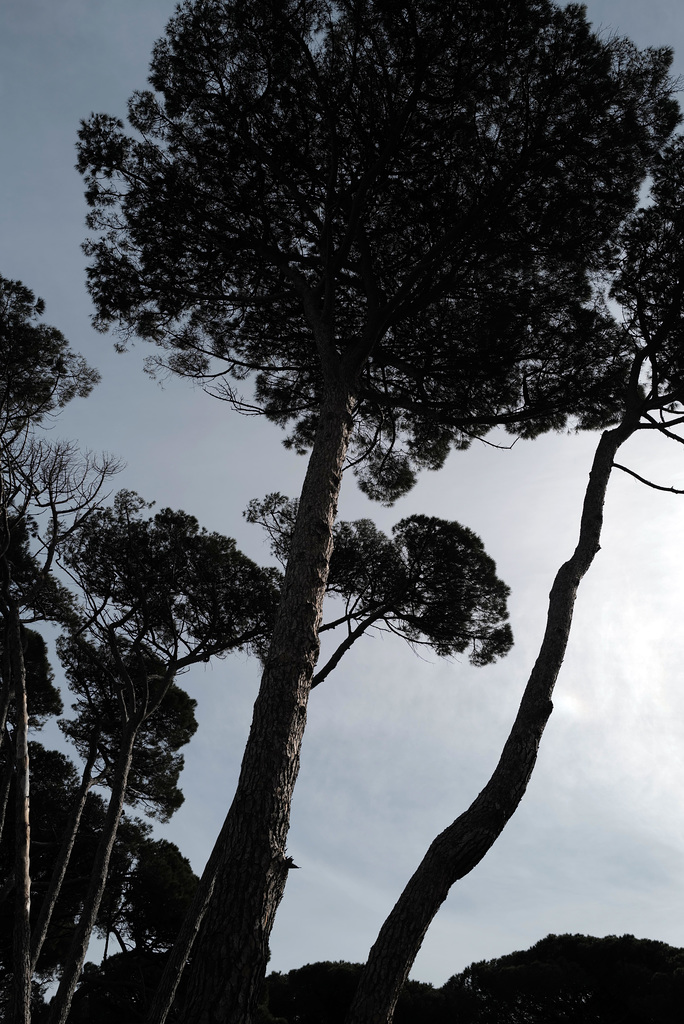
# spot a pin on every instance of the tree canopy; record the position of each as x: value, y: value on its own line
x: 166, y: 583
x: 407, y: 200
x: 39, y: 373
x: 431, y: 583
x: 95, y: 679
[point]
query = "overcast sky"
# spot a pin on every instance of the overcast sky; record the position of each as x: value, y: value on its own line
x: 396, y: 745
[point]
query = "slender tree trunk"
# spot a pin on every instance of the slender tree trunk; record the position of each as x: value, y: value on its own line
x: 458, y: 849
x: 7, y: 753
x: 231, y: 949
x: 61, y: 1003
x: 40, y: 929
x: 180, y: 954
x: 4, y: 701
x: 22, y: 865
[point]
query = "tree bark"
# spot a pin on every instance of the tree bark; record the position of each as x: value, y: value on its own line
x: 71, y: 972
x: 21, y: 995
x: 457, y: 850
x: 62, y: 863
x: 7, y: 753
x: 231, y: 949
x: 4, y: 700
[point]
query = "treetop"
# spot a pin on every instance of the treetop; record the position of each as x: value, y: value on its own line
x: 409, y: 203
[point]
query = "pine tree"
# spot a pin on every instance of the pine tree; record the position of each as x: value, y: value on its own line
x: 390, y: 220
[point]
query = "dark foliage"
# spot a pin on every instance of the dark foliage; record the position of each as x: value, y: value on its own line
x: 431, y: 583
x: 574, y: 978
x: 95, y: 676
x: 150, y: 883
x: 44, y: 699
x: 157, y: 896
x: 39, y: 596
x: 54, y: 782
x: 158, y: 594
x: 650, y: 281
x: 117, y: 991
x: 38, y: 371
x: 564, y: 979
x: 189, y: 593
x: 46, y: 488
x: 145, y: 905
x: 406, y: 200
x: 321, y: 993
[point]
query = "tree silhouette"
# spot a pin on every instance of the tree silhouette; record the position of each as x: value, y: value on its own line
x: 563, y: 979
x: 649, y: 285
x: 389, y: 219
x: 158, y: 594
x: 46, y: 488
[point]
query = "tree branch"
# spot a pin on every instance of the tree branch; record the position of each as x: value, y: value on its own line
x: 335, y: 659
x: 649, y: 483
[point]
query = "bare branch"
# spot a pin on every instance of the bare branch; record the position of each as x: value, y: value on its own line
x: 649, y: 483
x: 654, y: 425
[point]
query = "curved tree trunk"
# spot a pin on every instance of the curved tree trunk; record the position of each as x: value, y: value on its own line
x: 458, y: 849
x: 71, y: 972
x: 231, y: 949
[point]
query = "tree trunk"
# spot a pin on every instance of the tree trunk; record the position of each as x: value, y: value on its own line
x: 71, y: 972
x: 179, y: 955
x: 166, y: 990
x: 4, y: 698
x: 62, y: 863
x: 231, y: 949
x: 21, y: 995
x: 458, y: 849
x: 6, y: 752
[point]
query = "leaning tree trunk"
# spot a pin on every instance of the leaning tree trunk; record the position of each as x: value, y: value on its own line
x: 231, y: 950
x: 458, y: 849
x: 179, y: 955
x: 21, y: 992
x: 71, y: 972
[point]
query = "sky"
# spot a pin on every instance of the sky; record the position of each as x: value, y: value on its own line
x: 396, y: 745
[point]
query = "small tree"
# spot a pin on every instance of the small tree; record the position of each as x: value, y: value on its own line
x: 46, y: 489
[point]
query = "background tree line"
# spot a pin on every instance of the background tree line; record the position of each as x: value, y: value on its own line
x: 563, y: 979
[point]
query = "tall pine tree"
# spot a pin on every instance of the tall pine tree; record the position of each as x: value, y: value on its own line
x: 388, y: 218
